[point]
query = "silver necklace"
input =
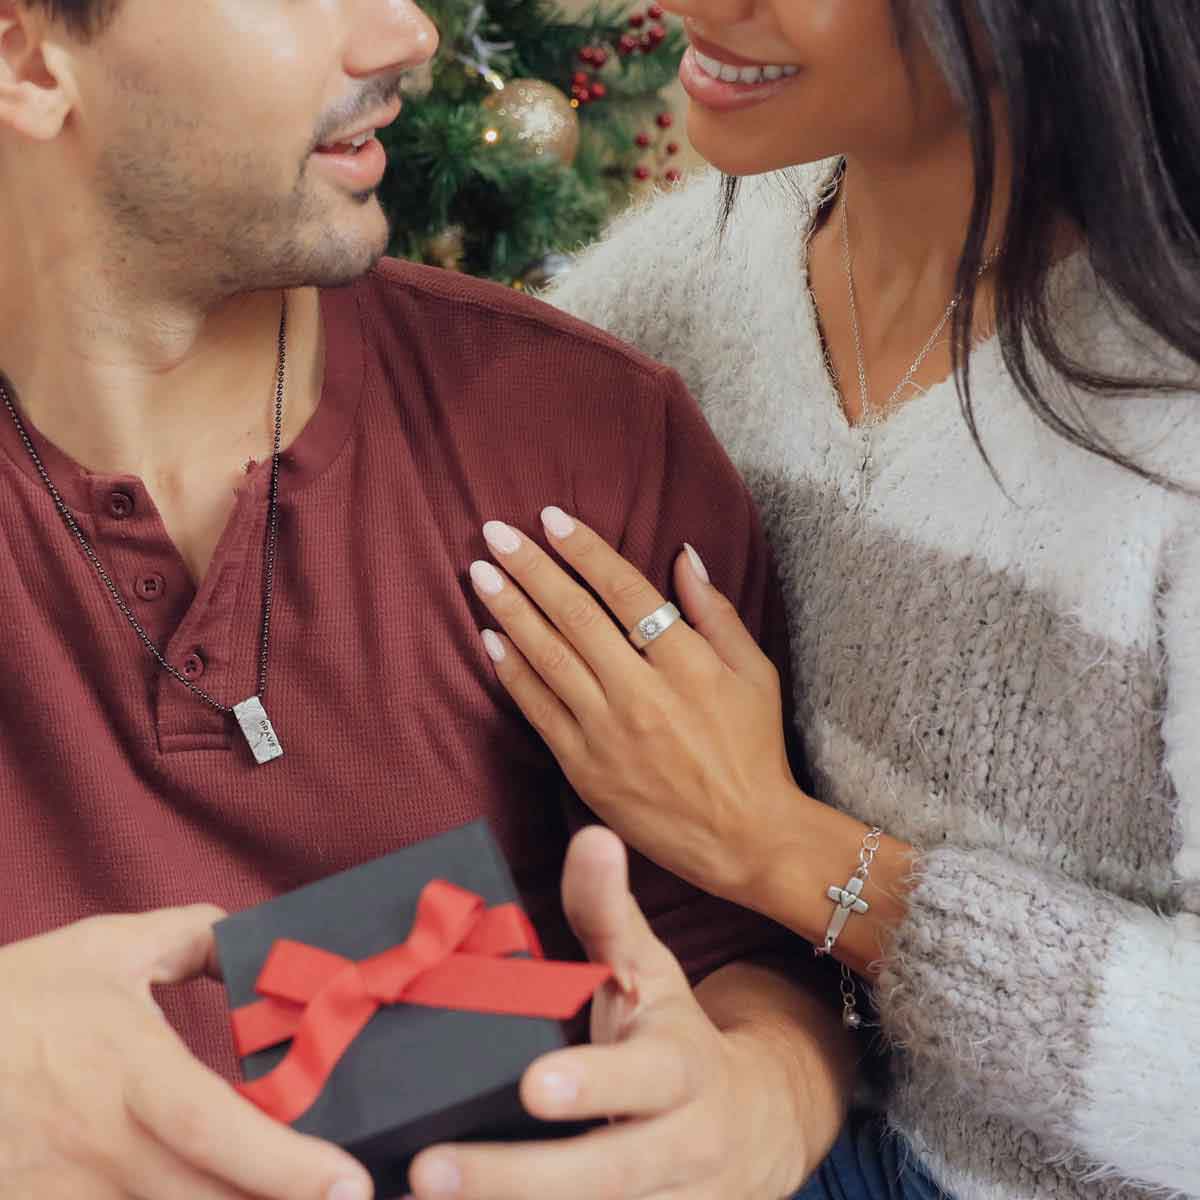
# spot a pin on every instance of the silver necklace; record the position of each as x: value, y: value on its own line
x: 870, y: 416
x: 250, y: 714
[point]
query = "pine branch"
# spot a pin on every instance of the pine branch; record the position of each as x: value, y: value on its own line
x: 515, y: 210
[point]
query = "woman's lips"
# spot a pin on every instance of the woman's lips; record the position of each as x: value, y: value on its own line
x: 709, y: 80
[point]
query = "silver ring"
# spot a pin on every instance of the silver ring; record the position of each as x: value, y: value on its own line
x: 651, y: 628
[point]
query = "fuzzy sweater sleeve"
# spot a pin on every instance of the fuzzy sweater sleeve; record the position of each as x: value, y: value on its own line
x: 1068, y: 1010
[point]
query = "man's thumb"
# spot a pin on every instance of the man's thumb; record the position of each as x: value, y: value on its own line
x: 171, y: 945
x: 603, y: 913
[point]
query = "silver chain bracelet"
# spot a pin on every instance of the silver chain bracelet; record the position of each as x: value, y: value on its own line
x: 848, y: 901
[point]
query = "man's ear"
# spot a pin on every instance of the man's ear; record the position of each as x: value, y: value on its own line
x: 35, y: 78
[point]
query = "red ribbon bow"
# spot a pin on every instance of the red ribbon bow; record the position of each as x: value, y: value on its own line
x: 453, y: 958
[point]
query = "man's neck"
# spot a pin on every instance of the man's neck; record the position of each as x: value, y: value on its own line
x: 180, y: 396
x: 140, y: 393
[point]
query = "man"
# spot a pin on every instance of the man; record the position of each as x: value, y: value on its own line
x: 183, y: 187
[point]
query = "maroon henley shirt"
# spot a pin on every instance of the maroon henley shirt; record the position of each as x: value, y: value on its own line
x: 446, y: 402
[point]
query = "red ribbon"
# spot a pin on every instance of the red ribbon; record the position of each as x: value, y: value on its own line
x: 454, y: 958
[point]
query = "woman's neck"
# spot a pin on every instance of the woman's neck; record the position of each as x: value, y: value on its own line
x: 898, y: 226
x: 909, y: 216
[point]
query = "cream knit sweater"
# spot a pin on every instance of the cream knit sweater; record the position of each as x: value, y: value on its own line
x: 1012, y: 683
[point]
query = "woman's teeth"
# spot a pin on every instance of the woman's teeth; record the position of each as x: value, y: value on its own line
x: 731, y: 74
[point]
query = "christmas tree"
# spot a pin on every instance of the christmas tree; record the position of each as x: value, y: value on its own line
x: 527, y: 132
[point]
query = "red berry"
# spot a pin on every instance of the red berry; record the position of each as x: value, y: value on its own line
x: 582, y: 78
x: 672, y: 176
x: 585, y: 96
x: 642, y: 172
x: 637, y: 21
x: 587, y: 54
x: 664, y: 120
x: 672, y: 147
x: 655, y: 12
x: 643, y: 140
x: 657, y: 34
x: 627, y: 45
x: 599, y: 91
x: 599, y: 56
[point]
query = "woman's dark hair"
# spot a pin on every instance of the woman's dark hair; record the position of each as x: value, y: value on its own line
x: 1103, y: 104
x: 84, y: 17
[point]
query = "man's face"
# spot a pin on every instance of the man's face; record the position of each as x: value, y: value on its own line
x: 207, y: 132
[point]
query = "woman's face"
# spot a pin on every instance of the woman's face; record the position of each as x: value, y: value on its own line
x: 815, y: 78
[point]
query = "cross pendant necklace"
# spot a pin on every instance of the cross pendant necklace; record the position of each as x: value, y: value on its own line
x: 866, y: 466
x: 250, y: 714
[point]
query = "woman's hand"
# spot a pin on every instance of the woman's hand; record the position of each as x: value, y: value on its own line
x: 695, y: 1112
x: 680, y: 749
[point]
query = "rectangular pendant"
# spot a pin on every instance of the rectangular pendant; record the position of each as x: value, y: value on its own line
x: 258, y: 731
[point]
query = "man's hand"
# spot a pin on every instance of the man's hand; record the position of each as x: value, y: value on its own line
x: 698, y: 1114
x: 100, y: 1100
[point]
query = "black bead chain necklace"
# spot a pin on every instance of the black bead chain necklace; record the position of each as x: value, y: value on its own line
x: 250, y: 714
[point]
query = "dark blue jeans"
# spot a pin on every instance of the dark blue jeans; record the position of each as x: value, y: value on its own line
x: 869, y: 1163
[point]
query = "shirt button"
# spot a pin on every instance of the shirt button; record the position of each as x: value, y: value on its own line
x: 120, y: 505
x: 193, y: 665
x: 150, y: 587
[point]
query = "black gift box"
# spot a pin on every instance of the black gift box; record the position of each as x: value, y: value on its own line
x: 414, y: 1075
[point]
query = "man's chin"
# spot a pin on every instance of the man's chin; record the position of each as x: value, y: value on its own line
x: 348, y: 249
x: 350, y: 266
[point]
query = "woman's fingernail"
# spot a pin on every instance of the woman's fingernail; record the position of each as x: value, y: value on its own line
x: 697, y: 562
x: 494, y: 646
x: 350, y: 1189
x: 557, y: 523
x: 559, y: 1089
x: 440, y: 1176
x: 502, y: 538
x: 486, y: 578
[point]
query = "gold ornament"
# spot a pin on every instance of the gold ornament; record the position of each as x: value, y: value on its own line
x: 446, y: 249
x: 535, y: 116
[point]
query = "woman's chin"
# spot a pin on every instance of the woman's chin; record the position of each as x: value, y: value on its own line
x: 736, y: 145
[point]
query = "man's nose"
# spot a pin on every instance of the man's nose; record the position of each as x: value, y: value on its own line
x: 389, y: 35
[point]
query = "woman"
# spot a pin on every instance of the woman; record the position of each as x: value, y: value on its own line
x: 958, y: 366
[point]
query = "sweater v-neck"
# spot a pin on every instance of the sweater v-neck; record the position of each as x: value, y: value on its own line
x: 888, y: 429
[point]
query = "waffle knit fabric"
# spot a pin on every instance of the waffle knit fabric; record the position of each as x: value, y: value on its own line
x: 1007, y: 679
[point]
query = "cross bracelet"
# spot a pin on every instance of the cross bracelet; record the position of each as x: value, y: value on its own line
x: 848, y: 900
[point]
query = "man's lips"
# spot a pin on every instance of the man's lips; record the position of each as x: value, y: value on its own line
x: 368, y: 126
x: 357, y: 159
